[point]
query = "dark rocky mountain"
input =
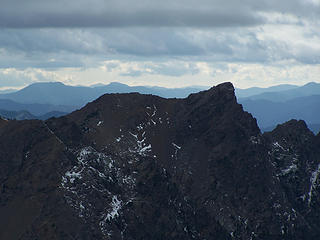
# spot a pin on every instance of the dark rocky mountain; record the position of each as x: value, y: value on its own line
x: 132, y: 166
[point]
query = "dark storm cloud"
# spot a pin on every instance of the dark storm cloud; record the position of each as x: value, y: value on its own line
x: 125, y: 13
x: 58, y: 48
x: 152, y: 18
x: 146, y: 13
x: 60, y: 33
x: 176, y: 69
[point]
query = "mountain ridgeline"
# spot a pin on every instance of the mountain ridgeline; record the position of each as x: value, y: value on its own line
x: 133, y: 166
x: 54, y: 99
x: 279, y: 104
x: 271, y: 106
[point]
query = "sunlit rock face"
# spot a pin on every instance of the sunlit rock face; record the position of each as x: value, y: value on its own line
x: 132, y: 166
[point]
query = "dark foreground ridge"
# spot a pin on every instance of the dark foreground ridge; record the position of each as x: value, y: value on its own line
x: 132, y: 166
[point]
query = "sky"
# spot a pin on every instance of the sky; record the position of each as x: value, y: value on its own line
x: 169, y: 43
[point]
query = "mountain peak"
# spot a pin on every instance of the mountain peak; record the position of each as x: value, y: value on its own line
x: 226, y: 85
x: 221, y: 93
x: 294, y: 132
x: 117, y: 84
x: 47, y: 84
x: 296, y: 127
x: 310, y: 84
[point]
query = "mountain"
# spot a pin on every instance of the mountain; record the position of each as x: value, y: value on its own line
x: 53, y: 93
x: 56, y: 93
x: 309, y: 89
x: 25, y: 115
x: 133, y: 166
x: 35, y: 109
x: 18, y: 115
x: 271, y: 106
x: 243, y: 93
x: 269, y: 113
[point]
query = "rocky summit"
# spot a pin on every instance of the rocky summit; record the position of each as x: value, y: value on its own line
x: 132, y: 166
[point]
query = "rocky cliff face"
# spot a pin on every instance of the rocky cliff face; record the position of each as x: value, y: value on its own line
x: 132, y: 166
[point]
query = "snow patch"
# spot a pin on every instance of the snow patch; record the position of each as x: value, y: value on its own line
x: 141, y: 147
x: 277, y: 145
x: 176, y: 146
x: 116, y: 206
x: 72, y: 176
x: 289, y: 169
x: 255, y: 140
x: 313, y: 181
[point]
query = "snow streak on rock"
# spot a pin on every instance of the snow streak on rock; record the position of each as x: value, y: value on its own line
x: 91, y: 187
x: 97, y: 186
x: 313, y: 183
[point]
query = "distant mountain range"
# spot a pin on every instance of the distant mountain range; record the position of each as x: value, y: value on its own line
x: 280, y: 93
x: 36, y: 109
x: 56, y: 93
x: 54, y: 99
x: 271, y: 106
x: 269, y: 113
x: 18, y: 115
x: 278, y: 104
x: 243, y: 93
x: 25, y: 115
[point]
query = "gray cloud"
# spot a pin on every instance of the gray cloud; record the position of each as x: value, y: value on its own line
x: 125, y: 13
x: 166, y: 38
x: 172, y: 69
x: 58, y: 48
x: 14, y: 78
x: 145, y: 18
x: 147, y: 13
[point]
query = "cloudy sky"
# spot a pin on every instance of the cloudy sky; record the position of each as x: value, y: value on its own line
x: 171, y: 43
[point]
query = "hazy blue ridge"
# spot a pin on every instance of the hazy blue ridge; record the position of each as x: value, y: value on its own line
x: 18, y: 115
x: 59, y: 94
x: 285, y: 94
x: 36, y: 108
x: 270, y: 113
x: 25, y: 115
x: 243, y: 93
